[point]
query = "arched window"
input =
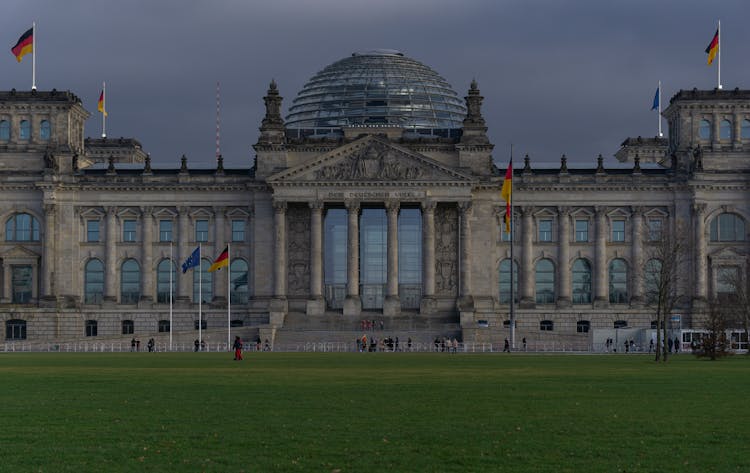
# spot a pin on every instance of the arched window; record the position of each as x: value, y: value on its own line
x: 5, y: 130
x: 704, y: 130
x: 162, y: 281
x: 92, y: 328
x: 583, y: 326
x: 238, y: 278
x: 505, y: 281
x: 203, y: 283
x: 725, y: 130
x: 25, y: 130
x: 45, y: 131
x: 94, y: 282
x: 128, y: 327
x: 15, y: 329
x: 581, y: 282
x: 22, y: 227
x: 545, y: 282
x: 744, y: 130
x: 130, y: 282
x: 727, y: 227
x: 618, y: 282
x: 652, y: 281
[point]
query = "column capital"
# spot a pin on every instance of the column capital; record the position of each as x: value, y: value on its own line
x: 111, y: 210
x: 279, y: 206
x: 563, y: 211
x: 636, y: 211
x: 392, y: 205
x: 600, y: 211
x: 147, y: 210
x: 527, y: 210
x: 428, y: 205
x: 50, y: 209
x: 465, y: 207
x: 219, y: 210
x: 316, y: 205
x: 183, y: 210
x: 699, y: 208
x: 352, y: 205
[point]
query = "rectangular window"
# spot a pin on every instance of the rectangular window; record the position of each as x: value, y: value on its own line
x: 165, y: 230
x: 618, y: 230
x: 92, y: 231
x: 201, y: 230
x: 22, y: 282
x: 545, y: 230
x: 128, y: 230
x: 238, y: 230
x: 654, y: 229
x: 582, y: 230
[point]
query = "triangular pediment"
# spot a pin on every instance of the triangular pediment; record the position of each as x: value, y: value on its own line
x: 727, y: 254
x: 20, y: 253
x: 371, y: 159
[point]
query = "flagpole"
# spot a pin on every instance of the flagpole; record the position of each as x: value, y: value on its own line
x: 33, y: 55
x: 718, y: 68
x: 512, y: 298
x: 229, y: 299
x: 171, y: 268
x: 200, y: 298
x: 104, y: 109
x: 658, y: 115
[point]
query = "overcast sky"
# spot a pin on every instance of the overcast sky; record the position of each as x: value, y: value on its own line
x: 573, y: 77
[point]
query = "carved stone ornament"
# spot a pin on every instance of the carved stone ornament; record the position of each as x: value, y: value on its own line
x: 446, y: 250
x: 375, y: 162
x: 298, y: 250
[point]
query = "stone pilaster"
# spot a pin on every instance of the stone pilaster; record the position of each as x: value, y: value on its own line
x: 147, y: 264
x: 601, y: 288
x: 392, y: 304
x: 49, y: 272
x: 527, y: 264
x: 701, y: 260
x: 184, y: 282
x: 279, y: 225
x: 352, y: 303
x: 563, y: 265
x: 636, y: 259
x: 110, y: 264
x: 427, y: 305
x: 466, y: 302
x: 220, y: 279
x: 316, y: 303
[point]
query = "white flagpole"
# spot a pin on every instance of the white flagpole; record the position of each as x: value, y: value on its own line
x: 171, y: 268
x: 658, y: 115
x: 512, y: 231
x: 33, y: 55
x: 104, y: 109
x: 200, y: 298
x: 229, y: 299
x: 719, y: 54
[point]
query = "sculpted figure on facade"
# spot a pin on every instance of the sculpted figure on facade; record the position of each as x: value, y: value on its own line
x: 374, y: 162
x: 446, y: 250
x: 298, y: 270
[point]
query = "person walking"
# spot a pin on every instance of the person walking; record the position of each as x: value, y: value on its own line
x: 237, y: 348
x: 506, y: 346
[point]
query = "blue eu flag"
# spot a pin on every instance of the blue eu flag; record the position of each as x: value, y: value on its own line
x: 192, y: 261
x: 656, y: 100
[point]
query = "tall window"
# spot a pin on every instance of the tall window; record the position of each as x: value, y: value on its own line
x: 5, y: 130
x: 655, y: 229
x: 618, y: 230
x: 128, y: 230
x: 744, y: 130
x: 725, y: 130
x: 238, y: 230
x: 545, y: 282
x: 505, y: 280
x: 335, y: 254
x: 92, y: 231
x: 92, y: 329
x: 652, y: 280
x: 165, y: 230
x: 203, y: 283
x: 582, y: 230
x: 94, y: 282
x: 201, y: 230
x: 130, y: 282
x: 25, y: 130
x: 618, y: 282
x: 410, y: 257
x: 15, y: 329
x: 704, y: 130
x: 238, y: 280
x: 22, y: 227
x: 21, y: 280
x: 128, y: 327
x: 581, y: 282
x: 727, y: 278
x: 727, y: 227
x: 545, y: 230
x: 162, y: 281
x: 45, y: 130
x: 372, y: 256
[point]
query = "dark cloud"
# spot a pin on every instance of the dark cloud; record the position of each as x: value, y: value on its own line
x: 573, y: 77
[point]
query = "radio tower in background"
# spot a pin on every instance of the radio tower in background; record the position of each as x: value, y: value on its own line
x: 218, y: 123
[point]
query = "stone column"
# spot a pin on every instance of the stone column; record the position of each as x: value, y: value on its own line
x: 352, y: 303
x: 636, y: 260
x: 427, y: 305
x: 701, y: 260
x: 110, y: 264
x: 147, y: 269
x: 184, y: 281
x: 737, y: 131
x: 49, y: 272
x: 564, y: 269
x: 220, y: 279
x: 601, y: 288
x: 279, y: 225
x: 465, y: 297
x: 527, y: 264
x: 715, y: 136
x: 392, y: 304
x: 316, y: 303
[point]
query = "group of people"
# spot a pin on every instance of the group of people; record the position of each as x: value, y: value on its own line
x: 446, y: 344
x: 384, y: 344
x: 371, y: 325
x: 672, y: 346
x: 135, y: 345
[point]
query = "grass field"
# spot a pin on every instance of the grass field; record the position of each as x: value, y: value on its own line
x: 281, y: 412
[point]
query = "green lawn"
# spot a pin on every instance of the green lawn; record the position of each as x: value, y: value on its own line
x: 371, y: 412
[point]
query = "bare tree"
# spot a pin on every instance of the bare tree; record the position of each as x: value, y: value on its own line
x: 737, y: 302
x: 665, y: 254
x: 714, y: 344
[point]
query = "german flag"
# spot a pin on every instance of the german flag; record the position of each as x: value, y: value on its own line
x: 221, y: 261
x: 24, y: 45
x: 506, y: 193
x: 100, y: 105
x: 713, y: 48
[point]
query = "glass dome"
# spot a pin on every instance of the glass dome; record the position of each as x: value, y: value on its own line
x: 381, y: 87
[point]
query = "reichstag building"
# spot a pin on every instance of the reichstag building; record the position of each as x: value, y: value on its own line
x: 375, y: 198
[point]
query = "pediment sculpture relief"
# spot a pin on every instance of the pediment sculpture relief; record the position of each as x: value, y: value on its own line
x: 375, y: 162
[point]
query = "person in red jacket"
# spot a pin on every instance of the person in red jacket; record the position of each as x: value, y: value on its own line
x: 237, y: 348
